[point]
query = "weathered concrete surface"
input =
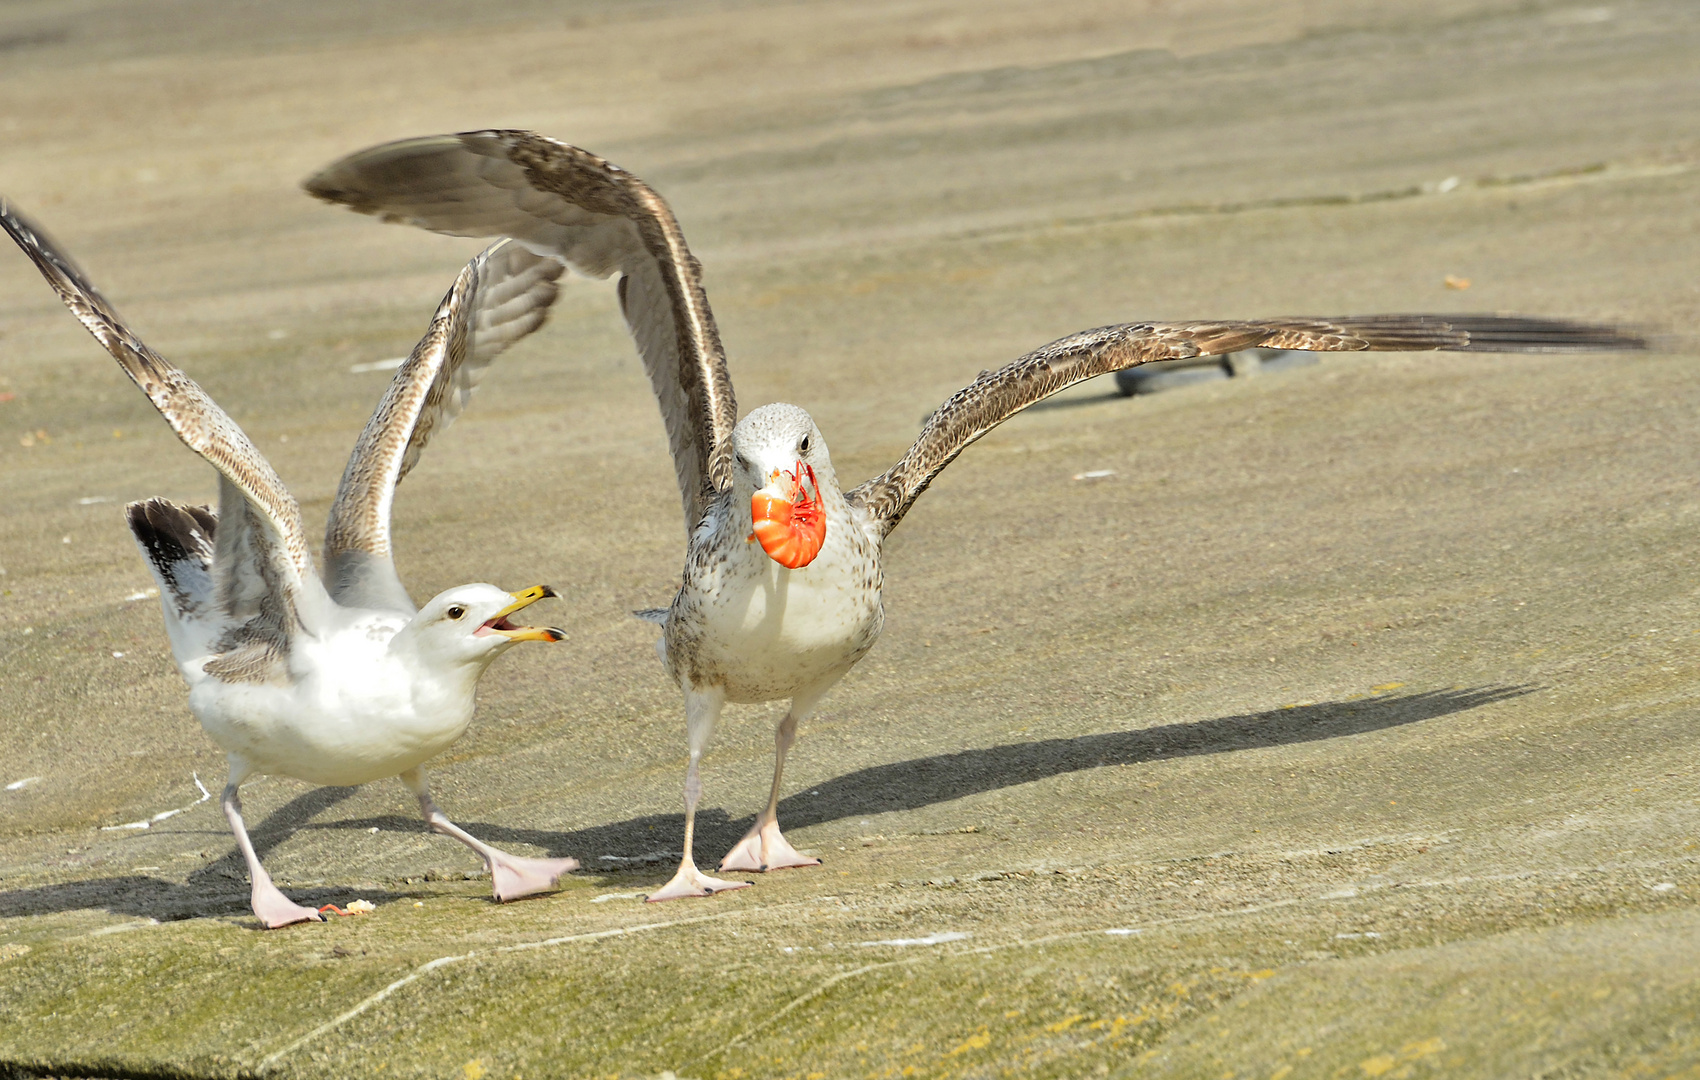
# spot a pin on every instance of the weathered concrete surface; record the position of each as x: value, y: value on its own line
x: 1361, y: 697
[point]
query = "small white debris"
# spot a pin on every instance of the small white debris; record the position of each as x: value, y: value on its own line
x: 1354, y: 937
x: 1664, y: 886
x: 90, y: 500
x: 1122, y: 931
x: 930, y: 939
x: 373, y: 829
x: 607, y: 896
x: 29, y: 629
x: 19, y: 785
x: 139, y: 869
x: 145, y: 594
x: 361, y: 907
x: 652, y: 857
x: 1343, y: 894
x: 419, y: 903
x: 64, y: 539
x: 117, y: 656
x: 378, y: 365
x: 1449, y: 184
x: 277, y: 335
x: 1094, y: 474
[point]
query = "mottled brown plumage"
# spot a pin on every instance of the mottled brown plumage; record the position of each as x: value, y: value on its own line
x: 261, y: 572
x: 264, y: 560
x: 600, y: 220
x: 501, y: 296
x: 997, y: 395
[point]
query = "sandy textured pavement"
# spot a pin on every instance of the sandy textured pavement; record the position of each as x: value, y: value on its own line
x: 1347, y: 728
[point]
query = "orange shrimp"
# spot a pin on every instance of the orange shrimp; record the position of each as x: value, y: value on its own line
x: 788, y: 517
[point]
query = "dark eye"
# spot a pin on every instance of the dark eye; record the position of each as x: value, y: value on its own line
x: 743, y: 462
x: 803, y: 447
x: 456, y: 611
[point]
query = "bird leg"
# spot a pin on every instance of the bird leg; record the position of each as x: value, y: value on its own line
x: 511, y: 876
x: 702, y: 709
x: 764, y: 847
x: 273, y: 908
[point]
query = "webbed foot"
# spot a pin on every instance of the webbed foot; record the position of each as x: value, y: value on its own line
x: 765, y: 848
x: 690, y: 881
x: 513, y: 877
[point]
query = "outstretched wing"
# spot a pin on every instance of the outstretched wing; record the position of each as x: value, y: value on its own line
x: 600, y: 220
x: 262, y: 571
x: 502, y: 295
x: 997, y: 395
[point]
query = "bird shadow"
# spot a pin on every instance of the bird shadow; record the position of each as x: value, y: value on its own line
x: 217, y: 888
x: 924, y: 781
x: 649, y: 843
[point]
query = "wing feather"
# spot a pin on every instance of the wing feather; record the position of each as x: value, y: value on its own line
x: 501, y: 296
x: 600, y: 220
x: 997, y: 395
x: 262, y: 569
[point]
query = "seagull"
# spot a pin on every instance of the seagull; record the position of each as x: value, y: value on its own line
x: 781, y: 592
x: 340, y: 680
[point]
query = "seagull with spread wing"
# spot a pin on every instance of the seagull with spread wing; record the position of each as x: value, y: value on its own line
x: 340, y: 680
x: 782, y: 580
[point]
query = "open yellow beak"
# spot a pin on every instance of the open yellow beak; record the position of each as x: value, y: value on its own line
x: 499, y: 624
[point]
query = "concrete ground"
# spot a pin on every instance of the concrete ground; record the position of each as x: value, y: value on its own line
x: 1346, y: 728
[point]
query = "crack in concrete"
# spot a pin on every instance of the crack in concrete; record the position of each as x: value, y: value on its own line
x: 1350, y: 892
x: 426, y: 968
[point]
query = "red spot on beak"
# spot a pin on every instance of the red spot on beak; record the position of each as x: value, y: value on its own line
x: 788, y: 518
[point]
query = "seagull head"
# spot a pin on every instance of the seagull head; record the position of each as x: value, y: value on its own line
x: 469, y: 624
x: 780, y: 464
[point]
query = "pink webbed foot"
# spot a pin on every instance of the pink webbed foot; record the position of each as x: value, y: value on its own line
x: 765, y: 848
x: 690, y: 881
x: 513, y: 877
x: 276, y: 909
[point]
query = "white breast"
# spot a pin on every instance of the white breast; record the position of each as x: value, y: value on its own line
x: 351, y: 714
x: 765, y: 632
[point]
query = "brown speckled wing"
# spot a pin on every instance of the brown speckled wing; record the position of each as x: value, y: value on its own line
x: 501, y: 296
x: 264, y: 584
x: 997, y: 395
x: 599, y: 219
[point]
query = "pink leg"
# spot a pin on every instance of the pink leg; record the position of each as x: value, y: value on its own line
x: 764, y: 847
x: 511, y: 876
x: 702, y: 709
x: 273, y: 908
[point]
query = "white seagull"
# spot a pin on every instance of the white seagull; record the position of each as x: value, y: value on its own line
x: 782, y: 580
x: 341, y: 681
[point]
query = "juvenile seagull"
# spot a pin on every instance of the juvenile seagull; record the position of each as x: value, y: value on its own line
x: 340, y: 681
x: 787, y: 619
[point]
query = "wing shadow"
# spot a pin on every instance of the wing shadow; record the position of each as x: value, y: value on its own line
x: 644, y: 843
x: 218, y: 888
x: 647, y: 844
